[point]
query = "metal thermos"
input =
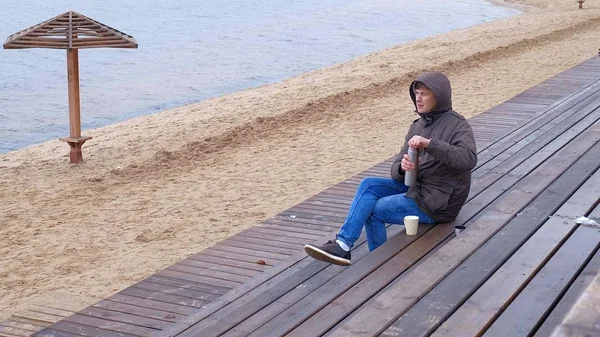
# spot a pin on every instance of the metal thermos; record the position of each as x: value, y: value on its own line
x: 410, y: 177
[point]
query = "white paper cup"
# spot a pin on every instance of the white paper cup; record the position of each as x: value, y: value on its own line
x: 411, y: 223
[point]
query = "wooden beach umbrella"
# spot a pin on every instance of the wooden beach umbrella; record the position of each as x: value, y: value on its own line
x: 71, y: 31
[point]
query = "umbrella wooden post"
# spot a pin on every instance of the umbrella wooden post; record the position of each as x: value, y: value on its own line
x: 75, y: 140
x: 74, y: 101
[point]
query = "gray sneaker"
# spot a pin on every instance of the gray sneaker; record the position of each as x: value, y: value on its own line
x: 330, y: 252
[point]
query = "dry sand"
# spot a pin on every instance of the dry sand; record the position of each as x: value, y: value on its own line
x: 156, y: 189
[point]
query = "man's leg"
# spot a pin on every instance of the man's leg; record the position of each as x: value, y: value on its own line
x: 391, y: 209
x: 369, y: 191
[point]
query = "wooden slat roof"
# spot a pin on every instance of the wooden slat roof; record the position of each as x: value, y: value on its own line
x: 70, y: 30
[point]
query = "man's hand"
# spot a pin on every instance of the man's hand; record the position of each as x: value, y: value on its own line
x: 418, y: 142
x: 406, y: 164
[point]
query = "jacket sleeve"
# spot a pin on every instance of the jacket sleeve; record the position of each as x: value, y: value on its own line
x: 460, y: 153
x: 397, y: 172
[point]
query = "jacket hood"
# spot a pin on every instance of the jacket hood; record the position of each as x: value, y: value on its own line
x: 439, y: 84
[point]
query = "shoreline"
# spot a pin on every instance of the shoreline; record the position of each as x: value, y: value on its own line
x: 213, y: 75
x: 158, y: 188
x: 522, y: 5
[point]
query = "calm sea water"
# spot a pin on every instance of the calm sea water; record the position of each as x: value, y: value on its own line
x: 190, y: 50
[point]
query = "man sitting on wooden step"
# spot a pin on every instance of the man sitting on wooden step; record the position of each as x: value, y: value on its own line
x: 444, y: 176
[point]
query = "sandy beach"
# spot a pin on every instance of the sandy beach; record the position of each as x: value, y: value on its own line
x: 158, y: 188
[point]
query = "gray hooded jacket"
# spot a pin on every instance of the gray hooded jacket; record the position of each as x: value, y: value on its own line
x: 444, y: 178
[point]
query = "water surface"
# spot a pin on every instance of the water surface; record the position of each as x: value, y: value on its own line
x: 190, y: 50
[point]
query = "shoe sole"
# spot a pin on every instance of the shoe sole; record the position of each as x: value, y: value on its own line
x: 322, y: 255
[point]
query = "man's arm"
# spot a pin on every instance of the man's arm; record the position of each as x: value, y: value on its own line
x: 461, y: 154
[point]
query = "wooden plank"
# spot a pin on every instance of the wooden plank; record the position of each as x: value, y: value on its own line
x: 197, y: 281
x: 193, y: 286
x: 51, y: 332
x: 114, y: 327
x: 349, y: 184
x: 559, y: 312
x: 250, y: 253
x: 299, y: 230
x: 539, y: 134
x: 288, y: 276
x: 41, y: 44
x: 104, y: 42
x: 325, y: 209
x: 547, y: 115
x: 526, y: 312
x: 342, y: 299
x: 258, y: 248
x: 382, y: 173
x: 488, y: 299
x: 104, y: 45
x: 198, y: 278
x: 538, y: 138
x: 305, y: 289
x: 315, y: 215
x: 325, y: 199
x: 552, y: 147
x: 84, y: 40
x: 298, y: 267
x: 326, y: 203
x: 121, y: 317
x: 181, y: 291
x: 70, y: 329
x: 223, y: 320
x: 317, y: 225
x: 152, y: 302
x: 300, y: 223
x: 542, y: 146
x: 404, y: 293
x: 484, y: 182
x: 220, y: 261
x: 142, y: 294
x: 240, y: 257
x: 220, y: 268
x: 317, y: 209
x: 292, y: 220
x: 285, y: 235
x: 340, y: 192
x: 209, y: 273
x: 435, y: 307
x: 56, y: 38
x: 150, y: 313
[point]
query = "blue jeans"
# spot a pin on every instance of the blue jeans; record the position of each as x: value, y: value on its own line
x: 378, y: 201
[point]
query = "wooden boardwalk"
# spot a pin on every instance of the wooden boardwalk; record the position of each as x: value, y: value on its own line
x: 517, y: 269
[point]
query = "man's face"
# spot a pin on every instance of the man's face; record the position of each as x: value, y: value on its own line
x: 425, y: 100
